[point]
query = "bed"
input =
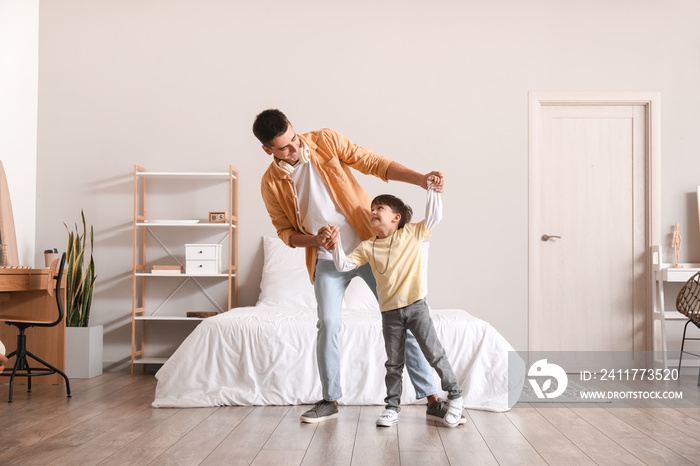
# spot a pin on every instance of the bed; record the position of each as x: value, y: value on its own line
x: 266, y: 354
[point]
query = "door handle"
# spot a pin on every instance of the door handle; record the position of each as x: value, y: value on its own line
x: 548, y: 237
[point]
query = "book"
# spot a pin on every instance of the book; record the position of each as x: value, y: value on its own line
x: 202, y: 315
x: 175, y: 269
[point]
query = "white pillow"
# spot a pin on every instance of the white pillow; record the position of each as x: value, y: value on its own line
x: 359, y: 296
x: 285, y: 280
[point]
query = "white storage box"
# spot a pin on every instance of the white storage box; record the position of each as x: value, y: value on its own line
x: 203, y: 259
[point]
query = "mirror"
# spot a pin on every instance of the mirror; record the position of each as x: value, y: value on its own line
x: 8, y: 239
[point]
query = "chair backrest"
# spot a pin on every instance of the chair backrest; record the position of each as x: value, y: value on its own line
x: 688, y: 300
x: 58, y: 277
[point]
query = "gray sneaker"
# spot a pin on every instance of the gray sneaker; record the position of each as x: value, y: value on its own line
x: 437, y: 411
x: 322, y: 411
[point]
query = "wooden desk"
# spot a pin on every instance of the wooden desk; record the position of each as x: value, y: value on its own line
x: 23, y: 293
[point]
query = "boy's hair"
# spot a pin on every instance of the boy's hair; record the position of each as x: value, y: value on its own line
x: 269, y: 124
x: 396, y: 205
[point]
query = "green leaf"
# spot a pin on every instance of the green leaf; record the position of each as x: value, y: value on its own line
x: 80, y: 280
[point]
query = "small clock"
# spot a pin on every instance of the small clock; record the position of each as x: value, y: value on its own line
x: 217, y: 217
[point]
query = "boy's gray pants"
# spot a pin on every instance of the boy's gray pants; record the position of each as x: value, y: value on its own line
x: 416, y: 318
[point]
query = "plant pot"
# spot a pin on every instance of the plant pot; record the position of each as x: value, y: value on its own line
x: 83, y: 352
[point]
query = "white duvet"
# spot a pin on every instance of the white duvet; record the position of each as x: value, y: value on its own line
x: 266, y: 355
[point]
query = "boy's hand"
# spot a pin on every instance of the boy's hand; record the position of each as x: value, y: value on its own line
x: 335, y: 234
x: 435, y: 180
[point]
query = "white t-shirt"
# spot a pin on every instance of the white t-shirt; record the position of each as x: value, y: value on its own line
x: 317, y: 208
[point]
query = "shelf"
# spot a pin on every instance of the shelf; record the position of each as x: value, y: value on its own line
x: 671, y: 274
x: 169, y: 318
x: 150, y: 361
x: 674, y: 315
x: 201, y: 175
x: 181, y: 228
x: 663, y: 273
x: 192, y: 275
x: 175, y: 224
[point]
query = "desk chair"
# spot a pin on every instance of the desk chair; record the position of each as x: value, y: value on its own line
x: 22, y: 362
x: 688, y: 304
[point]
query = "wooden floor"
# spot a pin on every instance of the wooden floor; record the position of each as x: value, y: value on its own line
x: 109, y: 420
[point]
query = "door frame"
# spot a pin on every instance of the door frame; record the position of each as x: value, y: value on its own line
x: 652, y: 192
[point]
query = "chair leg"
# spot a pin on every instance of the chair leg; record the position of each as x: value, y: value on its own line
x: 12, y: 379
x: 685, y: 328
x: 14, y: 369
x: 12, y: 375
x: 20, y: 364
x: 29, y: 372
x: 54, y: 369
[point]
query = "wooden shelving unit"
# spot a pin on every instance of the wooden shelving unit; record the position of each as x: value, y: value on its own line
x: 146, y: 237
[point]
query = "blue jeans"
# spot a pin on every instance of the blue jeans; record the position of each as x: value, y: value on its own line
x: 329, y: 288
x: 395, y: 325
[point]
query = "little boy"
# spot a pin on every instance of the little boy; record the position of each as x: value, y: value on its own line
x: 395, y: 258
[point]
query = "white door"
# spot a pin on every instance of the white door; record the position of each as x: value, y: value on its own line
x: 591, y: 225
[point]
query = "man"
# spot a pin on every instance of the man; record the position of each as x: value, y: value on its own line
x: 307, y: 187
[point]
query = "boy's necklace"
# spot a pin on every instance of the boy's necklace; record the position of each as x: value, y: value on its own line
x: 387, y: 258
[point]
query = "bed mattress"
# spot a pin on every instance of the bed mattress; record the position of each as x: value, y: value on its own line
x: 266, y: 355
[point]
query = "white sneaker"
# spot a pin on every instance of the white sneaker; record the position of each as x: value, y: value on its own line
x: 388, y: 418
x: 436, y: 412
x: 454, y: 412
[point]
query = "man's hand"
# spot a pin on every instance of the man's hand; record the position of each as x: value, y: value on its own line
x: 328, y: 237
x: 437, y: 181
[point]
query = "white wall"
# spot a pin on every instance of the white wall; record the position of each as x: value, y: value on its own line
x: 175, y: 85
x: 19, y: 45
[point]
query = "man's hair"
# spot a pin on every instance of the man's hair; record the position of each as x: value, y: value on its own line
x: 269, y: 124
x: 396, y: 205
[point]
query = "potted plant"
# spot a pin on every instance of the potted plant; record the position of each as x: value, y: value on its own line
x: 83, y: 343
